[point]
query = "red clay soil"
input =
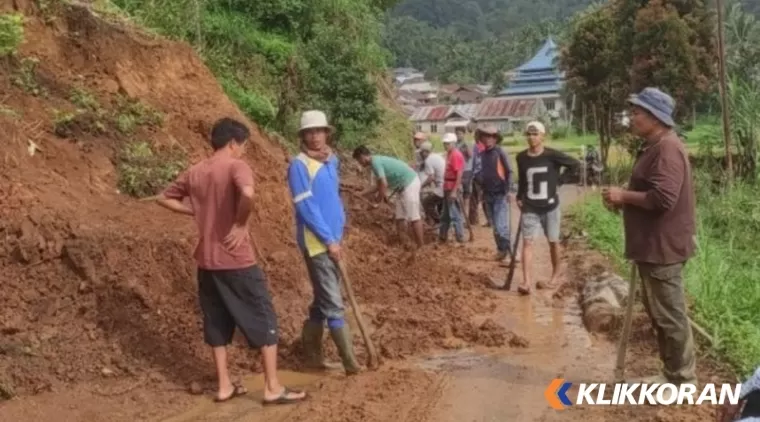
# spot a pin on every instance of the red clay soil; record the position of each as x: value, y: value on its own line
x: 98, y: 284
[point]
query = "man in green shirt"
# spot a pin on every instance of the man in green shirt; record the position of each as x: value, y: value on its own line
x: 396, y: 175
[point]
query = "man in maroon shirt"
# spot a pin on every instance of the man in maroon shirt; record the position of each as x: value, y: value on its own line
x: 659, y: 219
x: 231, y: 287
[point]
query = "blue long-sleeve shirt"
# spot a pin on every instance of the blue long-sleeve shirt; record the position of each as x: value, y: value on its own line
x: 496, y: 172
x: 315, y: 188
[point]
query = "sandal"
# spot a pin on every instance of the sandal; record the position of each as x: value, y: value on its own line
x: 523, y: 291
x: 237, y: 391
x: 284, y: 399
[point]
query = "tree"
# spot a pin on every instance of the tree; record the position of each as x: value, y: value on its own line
x: 671, y: 50
x: 590, y: 59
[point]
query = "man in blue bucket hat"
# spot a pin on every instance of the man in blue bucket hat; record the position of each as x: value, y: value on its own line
x: 659, y: 219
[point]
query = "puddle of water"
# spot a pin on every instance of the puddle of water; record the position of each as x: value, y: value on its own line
x: 241, y: 408
x: 459, y: 360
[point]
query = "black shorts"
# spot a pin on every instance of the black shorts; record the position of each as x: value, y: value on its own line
x: 239, y: 298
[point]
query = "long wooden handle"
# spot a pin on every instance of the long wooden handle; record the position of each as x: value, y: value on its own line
x: 513, y: 264
x: 623, y: 343
x: 374, y: 361
x: 464, y: 215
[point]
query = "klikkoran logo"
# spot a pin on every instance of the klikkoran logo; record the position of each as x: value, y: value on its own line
x: 556, y: 394
x: 665, y: 394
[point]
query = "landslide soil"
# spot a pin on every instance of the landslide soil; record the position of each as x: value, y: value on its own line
x: 98, y: 288
x: 98, y: 311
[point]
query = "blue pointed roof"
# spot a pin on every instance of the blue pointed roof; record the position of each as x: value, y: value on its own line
x: 539, y: 75
x: 544, y: 58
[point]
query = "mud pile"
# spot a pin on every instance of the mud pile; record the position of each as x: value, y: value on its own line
x: 97, y: 284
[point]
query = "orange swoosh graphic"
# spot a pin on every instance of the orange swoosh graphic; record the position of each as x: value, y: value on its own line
x: 551, y: 394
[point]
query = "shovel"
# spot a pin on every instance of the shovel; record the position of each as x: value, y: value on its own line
x: 466, y: 220
x: 513, y: 264
x: 623, y: 344
x: 374, y: 362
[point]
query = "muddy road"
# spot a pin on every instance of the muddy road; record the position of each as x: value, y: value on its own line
x: 455, y: 383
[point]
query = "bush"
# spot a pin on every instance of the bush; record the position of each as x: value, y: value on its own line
x: 256, y: 107
x: 11, y: 33
x: 144, y: 172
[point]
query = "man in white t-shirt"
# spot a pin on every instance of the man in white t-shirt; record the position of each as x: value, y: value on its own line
x: 432, y: 180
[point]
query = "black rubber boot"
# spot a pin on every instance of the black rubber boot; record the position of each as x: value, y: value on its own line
x: 344, y: 342
x: 311, y: 336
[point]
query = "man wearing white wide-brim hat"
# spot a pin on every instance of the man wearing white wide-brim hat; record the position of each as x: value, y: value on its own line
x: 314, y: 183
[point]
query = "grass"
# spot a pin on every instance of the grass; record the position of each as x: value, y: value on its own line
x: 721, y: 280
x: 11, y: 33
x: 143, y: 171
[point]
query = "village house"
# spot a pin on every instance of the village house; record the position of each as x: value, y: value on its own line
x: 463, y: 94
x: 540, y: 79
x: 508, y: 114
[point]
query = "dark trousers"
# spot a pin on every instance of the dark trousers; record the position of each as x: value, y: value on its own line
x: 231, y: 298
x: 477, y: 198
x: 665, y: 303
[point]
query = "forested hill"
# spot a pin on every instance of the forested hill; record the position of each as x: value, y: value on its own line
x: 475, y: 41
x: 479, y: 19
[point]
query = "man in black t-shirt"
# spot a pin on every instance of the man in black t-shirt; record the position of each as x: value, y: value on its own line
x: 539, y: 179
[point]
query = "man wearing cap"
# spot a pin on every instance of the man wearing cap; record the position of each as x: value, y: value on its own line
x: 432, y: 176
x: 539, y: 177
x: 314, y: 183
x: 659, y: 218
x: 496, y: 180
x: 452, y: 183
x: 394, y: 174
x: 417, y: 140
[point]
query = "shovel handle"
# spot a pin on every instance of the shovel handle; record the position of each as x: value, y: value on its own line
x: 513, y: 264
x: 374, y: 361
x: 623, y: 343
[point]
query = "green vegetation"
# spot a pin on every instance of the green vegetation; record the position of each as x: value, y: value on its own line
x: 604, y: 65
x: 131, y: 114
x: 473, y: 41
x: 721, y: 279
x: 143, y: 171
x: 11, y: 33
x: 276, y: 58
x: 620, y: 47
x: 91, y: 117
x: 25, y: 76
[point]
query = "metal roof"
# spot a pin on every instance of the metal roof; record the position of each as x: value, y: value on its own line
x: 505, y: 108
x: 527, y: 89
x: 419, y: 87
x: 489, y: 109
x: 544, y: 58
x: 467, y: 111
x: 430, y: 113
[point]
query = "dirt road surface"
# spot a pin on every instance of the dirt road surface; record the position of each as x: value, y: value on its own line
x: 459, y: 384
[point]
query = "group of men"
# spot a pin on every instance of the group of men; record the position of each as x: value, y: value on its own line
x: 658, y: 207
x: 467, y: 176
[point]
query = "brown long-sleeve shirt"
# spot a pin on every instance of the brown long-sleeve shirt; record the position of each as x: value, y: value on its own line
x: 663, y: 232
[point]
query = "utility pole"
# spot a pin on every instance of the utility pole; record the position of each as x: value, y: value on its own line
x: 724, y: 92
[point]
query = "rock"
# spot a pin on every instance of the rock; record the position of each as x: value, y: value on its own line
x: 195, y: 388
x: 605, y: 295
x: 600, y: 317
x: 106, y: 372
